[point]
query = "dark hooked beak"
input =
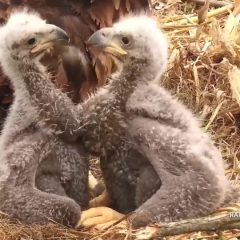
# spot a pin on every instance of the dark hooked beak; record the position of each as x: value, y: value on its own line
x: 53, y: 37
x: 102, y: 41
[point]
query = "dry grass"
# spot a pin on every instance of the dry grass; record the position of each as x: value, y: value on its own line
x: 204, y: 73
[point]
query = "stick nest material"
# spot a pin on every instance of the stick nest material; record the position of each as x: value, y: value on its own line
x: 204, y: 72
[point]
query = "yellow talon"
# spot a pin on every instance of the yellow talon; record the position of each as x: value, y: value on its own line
x: 99, y: 215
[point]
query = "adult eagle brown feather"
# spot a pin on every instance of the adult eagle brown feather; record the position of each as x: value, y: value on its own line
x: 79, y: 18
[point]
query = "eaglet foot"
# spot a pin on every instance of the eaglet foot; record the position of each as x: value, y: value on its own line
x: 99, y: 215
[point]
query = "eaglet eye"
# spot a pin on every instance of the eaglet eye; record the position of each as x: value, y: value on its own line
x: 125, y: 40
x: 31, y: 41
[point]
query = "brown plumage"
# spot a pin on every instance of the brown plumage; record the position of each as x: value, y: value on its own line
x: 79, y: 19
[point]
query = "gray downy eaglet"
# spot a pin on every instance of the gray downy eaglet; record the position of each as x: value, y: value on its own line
x: 42, y: 178
x: 155, y: 159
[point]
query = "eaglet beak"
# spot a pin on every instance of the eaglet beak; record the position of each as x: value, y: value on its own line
x: 52, y: 37
x: 103, y: 41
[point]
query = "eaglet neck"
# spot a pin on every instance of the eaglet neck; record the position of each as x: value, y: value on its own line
x: 132, y: 76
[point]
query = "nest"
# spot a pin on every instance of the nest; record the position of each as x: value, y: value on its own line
x: 204, y: 72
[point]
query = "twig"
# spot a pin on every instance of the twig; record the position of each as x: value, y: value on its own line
x: 212, y: 3
x: 150, y: 4
x: 171, y: 27
x: 211, y: 223
x: 194, y: 19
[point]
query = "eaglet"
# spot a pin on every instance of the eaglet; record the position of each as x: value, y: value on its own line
x: 42, y: 178
x: 155, y: 159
